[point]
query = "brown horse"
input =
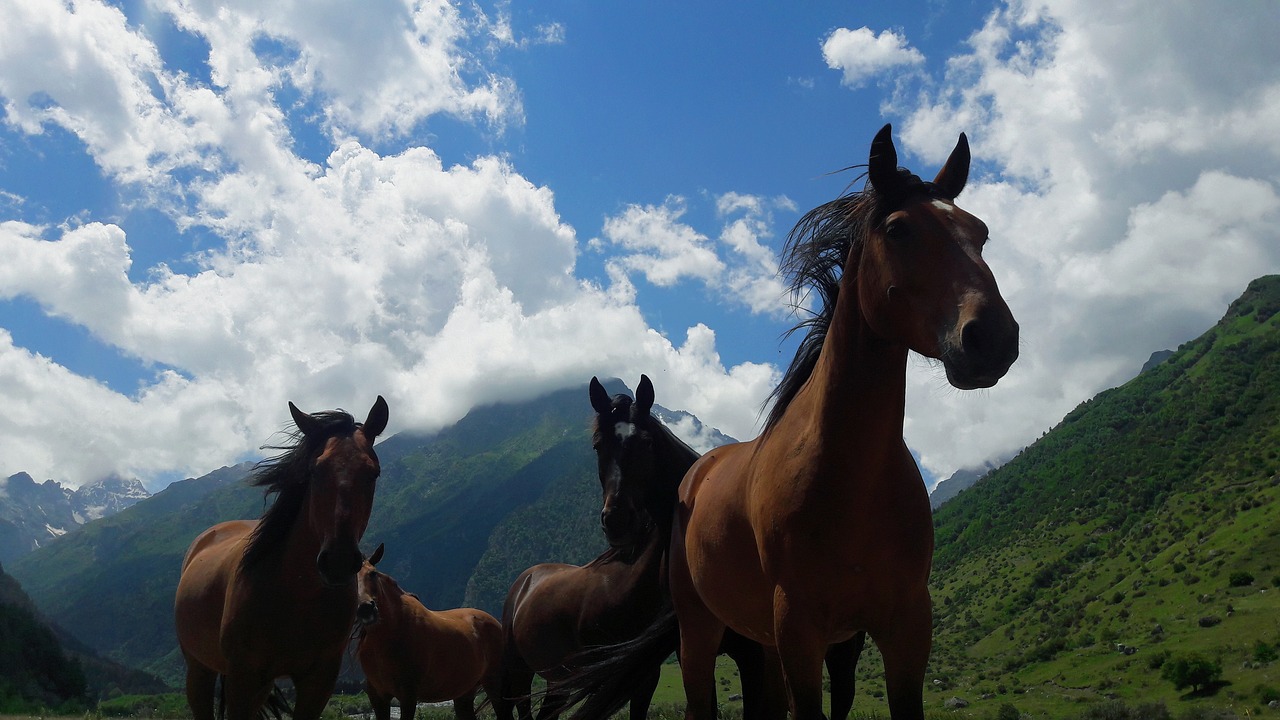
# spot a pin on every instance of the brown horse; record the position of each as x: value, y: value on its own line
x: 555, y: 611
x: 417, y: 655
x: 276, y: 597
x: 821, y: 528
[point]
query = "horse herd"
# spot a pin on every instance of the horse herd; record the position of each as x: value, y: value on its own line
x: 783, y: 552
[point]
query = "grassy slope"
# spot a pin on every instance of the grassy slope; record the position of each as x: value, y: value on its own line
x: 1123, y: 526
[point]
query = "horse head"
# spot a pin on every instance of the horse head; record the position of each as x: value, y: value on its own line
x: 623, y: 441
x: 369, y: 589
x: 343, y: 477
x: 921, y: 277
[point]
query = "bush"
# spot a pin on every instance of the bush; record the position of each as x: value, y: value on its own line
x: 1191, y: 671
x: 1264, y: 653
x: 1240, y: 578
x: 1008, y: 712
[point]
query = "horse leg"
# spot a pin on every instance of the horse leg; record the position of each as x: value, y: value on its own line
x: 201, y: 684
x: 314, y: 689
x: 643, y: 694
x: 905, y: 646
x: 552, y: 705
x: 842, y: 664
x: 464, y: 707
x: 801, y: 649
x: 513, y: 689
x: 380, y: 703
x: 244, y: 696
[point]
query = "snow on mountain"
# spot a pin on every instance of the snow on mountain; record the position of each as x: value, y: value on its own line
x: 32, y: 514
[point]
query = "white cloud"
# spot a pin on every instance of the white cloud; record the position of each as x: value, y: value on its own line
x: 1136, y: 195
x: 862, y: 54
x: 654, y: 241
x: 439, y: 287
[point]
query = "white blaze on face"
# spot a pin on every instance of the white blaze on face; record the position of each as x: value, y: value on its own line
x: 944, y: 206
x: 624, y: 430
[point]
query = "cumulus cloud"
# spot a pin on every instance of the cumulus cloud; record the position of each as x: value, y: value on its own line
x: 440, y: 287
x: 655, y: 242
x: 1134, y: 195
x: 862, y: 54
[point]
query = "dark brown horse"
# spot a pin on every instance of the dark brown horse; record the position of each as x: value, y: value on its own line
x: 821, y: 528
x: 414, y: 655
x: 276, y: 597
x: 555, y: 611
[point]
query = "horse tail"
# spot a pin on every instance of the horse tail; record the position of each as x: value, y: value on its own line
x: 602, y: 679
x: 275, y: 708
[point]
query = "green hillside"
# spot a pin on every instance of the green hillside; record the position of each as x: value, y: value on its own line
x: 1145, y: 526
x: 440, y: 499
x: 35, y: 672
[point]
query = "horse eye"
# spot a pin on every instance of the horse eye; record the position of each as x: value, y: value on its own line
x: 897, y: 230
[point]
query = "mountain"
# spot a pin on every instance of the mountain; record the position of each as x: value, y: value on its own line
x: 35, y: 672
x: 960, y: 480
x: 32, y: 514
x: 1144, y: 526
x: 461, y: 511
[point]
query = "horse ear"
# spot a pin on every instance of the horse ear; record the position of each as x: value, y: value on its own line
x: 600, y: 398
x: 644, y: 395
x: 377, y: 420
x: 305, y: 422
x: 882, y: 165
x: 377, y: 554
x: 955, y: 173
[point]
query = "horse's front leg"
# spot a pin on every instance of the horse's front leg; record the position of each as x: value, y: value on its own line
x: 905, y: 646
x: 464, y: 707
x: 801, y: 648
x: 244, y: 695
x: 380, y: 703
x: 842, y: 666
x: 201, y: 684
x: 315, y: 688
x: 700, y: 635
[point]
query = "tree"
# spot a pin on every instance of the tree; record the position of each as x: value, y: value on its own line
x: 1191, y: 671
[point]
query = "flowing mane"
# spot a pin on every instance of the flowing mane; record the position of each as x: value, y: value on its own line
x: 813, y: 260
x: 286, y: 475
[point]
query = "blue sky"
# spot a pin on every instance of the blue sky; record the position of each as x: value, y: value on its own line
x: 207, y: 210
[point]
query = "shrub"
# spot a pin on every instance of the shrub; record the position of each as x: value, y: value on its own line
x: 1008, y: 712
x: 1240, y: 578
x: 1264, y: 653
x: 1191, y: 671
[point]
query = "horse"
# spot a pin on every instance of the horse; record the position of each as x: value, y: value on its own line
x: 414, y: 654
x: 820, y: 527
x: 264, y: 599
x: 554, y: 611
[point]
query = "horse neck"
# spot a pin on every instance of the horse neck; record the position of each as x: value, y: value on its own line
x: 301, y: 546
x: 857, y: 391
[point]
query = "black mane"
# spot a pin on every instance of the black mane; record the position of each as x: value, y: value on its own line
x: 286, y: 475
x: 813, y: 260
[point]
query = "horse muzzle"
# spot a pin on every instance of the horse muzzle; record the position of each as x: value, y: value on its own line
x: 367, y: 612
x: 987, y: 348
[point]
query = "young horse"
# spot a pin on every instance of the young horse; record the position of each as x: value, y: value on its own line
x: 554, y: 610
x: 417, y: 655
x: 821, y: 527
x: 264, y: 599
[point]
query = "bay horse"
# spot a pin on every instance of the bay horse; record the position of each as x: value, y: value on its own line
x: 820, y: 527
x: 555, y: 612
x: 264, y: 599
x: 414, y: 654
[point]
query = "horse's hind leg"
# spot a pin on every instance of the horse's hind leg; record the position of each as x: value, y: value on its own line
x: 201, y: 685
x: 643, y: 694
x: 244, y: 696
x: 842, y: 665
